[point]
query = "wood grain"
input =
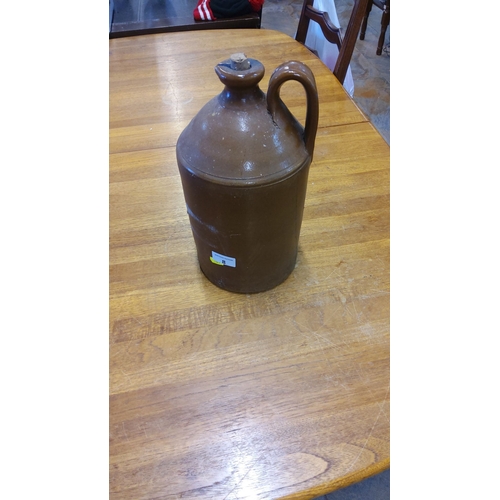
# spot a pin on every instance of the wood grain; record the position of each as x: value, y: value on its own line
x: 215, y: 395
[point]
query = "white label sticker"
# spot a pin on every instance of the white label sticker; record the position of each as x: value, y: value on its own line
x: 222, y: 260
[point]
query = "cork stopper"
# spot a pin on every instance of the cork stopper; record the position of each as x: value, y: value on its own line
x: 239, y: 61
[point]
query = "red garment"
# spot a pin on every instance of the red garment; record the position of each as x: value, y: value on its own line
x: 203, y: 11
x: 256, y: 4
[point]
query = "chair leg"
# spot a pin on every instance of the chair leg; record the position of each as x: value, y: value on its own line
x: 384, y: 23
x: 362, y: 31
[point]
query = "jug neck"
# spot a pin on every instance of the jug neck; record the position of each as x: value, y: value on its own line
x: 240, y: 76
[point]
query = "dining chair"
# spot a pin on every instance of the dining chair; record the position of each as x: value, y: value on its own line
x: 385, y: 6
x: 333, y: 33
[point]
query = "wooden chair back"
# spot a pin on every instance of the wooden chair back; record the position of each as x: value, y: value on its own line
x: 333, y: 33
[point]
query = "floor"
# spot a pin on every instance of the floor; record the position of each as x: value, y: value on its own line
x: 374, y: 488
x: 371, y: 74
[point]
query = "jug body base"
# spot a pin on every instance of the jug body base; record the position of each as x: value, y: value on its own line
x: 246, y: 237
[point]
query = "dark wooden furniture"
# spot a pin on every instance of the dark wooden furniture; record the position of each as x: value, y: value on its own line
x: 332, y: 33
x: 385, y: 6
x: 134, y: 17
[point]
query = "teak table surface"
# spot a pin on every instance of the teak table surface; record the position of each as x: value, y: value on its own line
x: 216, y: 395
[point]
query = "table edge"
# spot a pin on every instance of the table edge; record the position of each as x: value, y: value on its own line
x: 340, y: 483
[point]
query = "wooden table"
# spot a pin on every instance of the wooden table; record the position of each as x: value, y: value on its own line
x: 216, y: 395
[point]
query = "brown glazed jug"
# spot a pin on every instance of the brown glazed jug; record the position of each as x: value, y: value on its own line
x: 244, y: 161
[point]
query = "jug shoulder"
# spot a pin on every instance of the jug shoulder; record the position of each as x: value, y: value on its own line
x: 240, y: 142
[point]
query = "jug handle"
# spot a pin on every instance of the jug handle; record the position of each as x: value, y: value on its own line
x: 295, y: 70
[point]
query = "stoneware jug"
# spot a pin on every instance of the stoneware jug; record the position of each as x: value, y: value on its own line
x: 244, y: 161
